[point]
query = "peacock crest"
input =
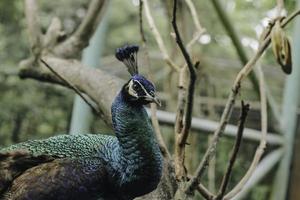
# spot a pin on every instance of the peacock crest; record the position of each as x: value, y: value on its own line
x: 128, y: 55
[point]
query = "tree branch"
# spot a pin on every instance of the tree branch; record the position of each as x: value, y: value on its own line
x: 53, y: 34
x: 158, y: 37
x: 80, y: 38
x: 34, y: 29
x: 236, y: 147
x: 192, y: 185
x: 261, y: 148
x: 199, y: 29
x: 87, y: 80
x: 205, y: 192
x: 95, y: 109
x: 180, y: 171
x: 253, y: 76
x: 182, y: 137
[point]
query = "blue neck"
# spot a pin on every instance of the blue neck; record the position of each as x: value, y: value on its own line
x: 139, y: 151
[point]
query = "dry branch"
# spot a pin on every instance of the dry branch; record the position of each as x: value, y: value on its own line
x: 34, y: 29
x: 95, y: 109
x: 253, y: 76
x: 182, y: 137
x: 71, y: 47
x: 199, y: 29
x: 192, y: 185
x: 158, y: 37
x: 236, y: 147
x: 205, y: 192
x: 54, y: 34
x: 88, y: 81
x: 180, y: 171
x: 261, y: 148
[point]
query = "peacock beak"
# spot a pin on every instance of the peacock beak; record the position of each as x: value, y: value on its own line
x: 152, y: 97
x: 156, y: 100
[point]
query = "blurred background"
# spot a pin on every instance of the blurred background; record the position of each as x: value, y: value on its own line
x: 35, y: 110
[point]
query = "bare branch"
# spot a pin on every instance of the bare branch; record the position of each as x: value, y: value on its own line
x: 205, y: 192
x: 141, y: 25
x: 261, y: 148
x: 34, y: 29
x: 90, y: 21
x: 236, y: 147
x: 153, y: 106
x: 182, y: 137
x: 181, y: 103
x: 181, y: 99
x: 158, y: 37
x: 199, y: 29
x: 80, y: 38
x: 54, y: 32
x: 192, y: 185
x: 232, y: 33
x: 88, y: 80
x: 191, y: 87
x: 95, y: 109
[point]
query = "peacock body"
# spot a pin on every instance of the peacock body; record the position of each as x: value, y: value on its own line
x: 89, y: 166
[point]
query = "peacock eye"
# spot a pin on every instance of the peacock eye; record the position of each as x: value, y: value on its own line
x: 135, y: 86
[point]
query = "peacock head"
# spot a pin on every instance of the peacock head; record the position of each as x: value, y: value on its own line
x: 138, y: 89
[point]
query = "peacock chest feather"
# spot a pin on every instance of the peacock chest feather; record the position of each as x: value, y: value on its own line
x: 140, y: 158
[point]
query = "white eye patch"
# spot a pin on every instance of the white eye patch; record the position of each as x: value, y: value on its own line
x: 131, y: 91
x: 137, y: 90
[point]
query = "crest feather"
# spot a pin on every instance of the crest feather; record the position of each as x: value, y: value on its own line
x: 128, y: 55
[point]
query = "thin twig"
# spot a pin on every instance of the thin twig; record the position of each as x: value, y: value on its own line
x: 34, y: 29
x: 192, y: 185
x: 158, y: 37
x: 73, y: 87
x: 182, y: 137
x: 261, y: 148
x: 236, y: 147
x: 191, y: 87
x: 205, y: 192
x: 211, y: 172
x: 91, y: 20
x: 142, y: 32
x: 199, y: 29
x: 153, y: 106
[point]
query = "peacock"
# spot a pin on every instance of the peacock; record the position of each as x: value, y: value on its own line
x: 91, y: 166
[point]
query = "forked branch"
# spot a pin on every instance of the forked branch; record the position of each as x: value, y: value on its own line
x: 182, y: 136
x: 158, y: 37
x: 236, y: 147
x: 80, y: 38
x: 262, y: 145
x: 193, y: 183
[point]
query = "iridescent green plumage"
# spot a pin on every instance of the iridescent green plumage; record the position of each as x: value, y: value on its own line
x: 71, y: 146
